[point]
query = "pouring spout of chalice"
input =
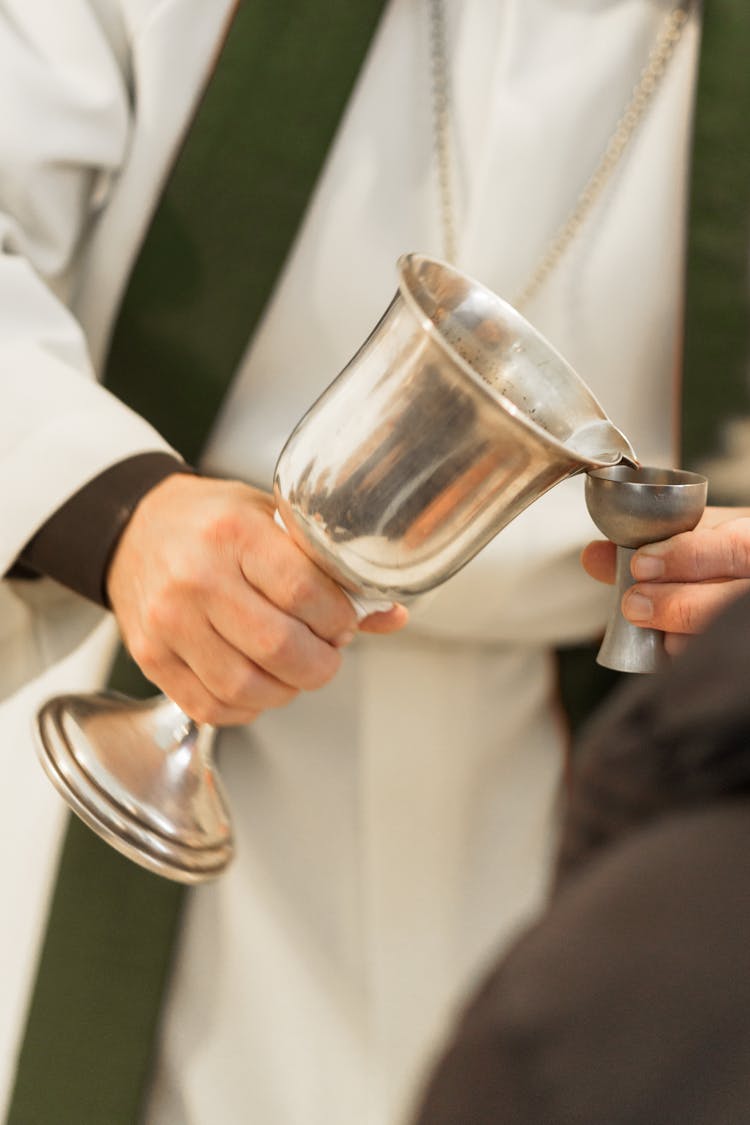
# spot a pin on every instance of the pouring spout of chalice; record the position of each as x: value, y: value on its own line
x: 453, y: 416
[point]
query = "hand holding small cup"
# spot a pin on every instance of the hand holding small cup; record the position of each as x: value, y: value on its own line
x: 634, y: 507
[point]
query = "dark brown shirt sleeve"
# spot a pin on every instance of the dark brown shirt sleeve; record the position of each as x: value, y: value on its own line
x: 76, y: 543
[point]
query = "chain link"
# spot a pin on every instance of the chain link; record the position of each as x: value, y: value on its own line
x: 441, y: 114
x: 634, y: 112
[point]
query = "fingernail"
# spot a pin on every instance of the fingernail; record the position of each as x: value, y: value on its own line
x: 637, y: 608
x: 344, y: 640
x: 647, y: 565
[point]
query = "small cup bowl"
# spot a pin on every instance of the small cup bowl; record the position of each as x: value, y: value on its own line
x: 634, y: 506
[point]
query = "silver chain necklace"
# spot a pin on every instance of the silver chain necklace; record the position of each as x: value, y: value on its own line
x: 640, y: 99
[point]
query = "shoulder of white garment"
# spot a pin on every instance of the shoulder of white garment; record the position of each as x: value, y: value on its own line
x: 61, y: 68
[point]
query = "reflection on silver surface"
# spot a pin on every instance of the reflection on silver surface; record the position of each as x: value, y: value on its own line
x: 141, y: 775
x: 452, y: 418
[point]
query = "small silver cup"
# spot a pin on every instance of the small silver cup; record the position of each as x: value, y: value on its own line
x: 633, y: 507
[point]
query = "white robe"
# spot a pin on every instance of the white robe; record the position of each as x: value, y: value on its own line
x: 394, y: 828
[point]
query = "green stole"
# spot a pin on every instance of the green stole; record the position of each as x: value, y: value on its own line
x: 227, y: 219
x: 716, y: 369
x: 94, y: 1013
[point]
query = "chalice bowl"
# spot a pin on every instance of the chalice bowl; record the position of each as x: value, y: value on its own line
x: 453, y: 416
x: 632, y: 507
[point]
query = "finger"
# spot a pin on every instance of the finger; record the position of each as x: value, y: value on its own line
x: 387, y: 621
x: 185, y: 689
x: 679, y: 607
x: 598, y: 560
x: 230, y: 677
x: 720, y: 552
x: 199, y: 699
x: 279, y: 644
x: 284, y: 574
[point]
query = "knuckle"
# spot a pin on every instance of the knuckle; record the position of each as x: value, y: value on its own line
x: 237, y: 686
x: 300, y: 590
x: 160, y: 617
x: 147, y: 654
x: 191, y: 582
x: 165, y: 612
x: 322, y: 671
x: 277, y: 646
x: 207, y: 711
x: 222, y: 529
x: 738, y: 545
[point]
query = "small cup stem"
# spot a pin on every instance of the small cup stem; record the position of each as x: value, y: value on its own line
x: 627, y: 647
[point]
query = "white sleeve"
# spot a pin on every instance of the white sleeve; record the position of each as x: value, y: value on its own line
x: 64, y: 134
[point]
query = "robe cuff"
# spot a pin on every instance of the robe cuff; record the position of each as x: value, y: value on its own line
x: 76, y: 544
